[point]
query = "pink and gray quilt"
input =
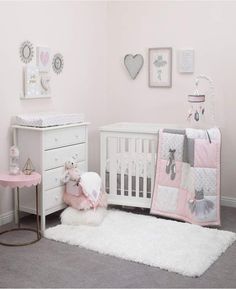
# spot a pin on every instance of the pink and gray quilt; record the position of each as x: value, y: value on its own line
x: 187, y: 183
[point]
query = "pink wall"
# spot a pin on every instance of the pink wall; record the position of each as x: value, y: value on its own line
x: 94, y: 37
x: 78, y: 31
x: 207, y: 27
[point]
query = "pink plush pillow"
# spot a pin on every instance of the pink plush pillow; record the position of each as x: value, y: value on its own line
x: 77, y: 202
x: 75, y: 198
x: 73, y: 188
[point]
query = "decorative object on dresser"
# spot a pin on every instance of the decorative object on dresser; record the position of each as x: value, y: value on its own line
x: 49, y: 148
x: 160, y: 67
x: 17, y: 182
x: 28, y: 167
x: 133, y: 64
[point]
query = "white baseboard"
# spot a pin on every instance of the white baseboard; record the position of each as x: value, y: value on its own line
x: 9, y: 216
x: 228, y: 202
x: 6, y: 218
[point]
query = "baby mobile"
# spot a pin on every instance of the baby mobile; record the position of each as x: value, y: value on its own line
x: 198, y: 102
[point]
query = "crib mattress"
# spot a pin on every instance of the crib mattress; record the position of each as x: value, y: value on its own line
x: 48, y: 119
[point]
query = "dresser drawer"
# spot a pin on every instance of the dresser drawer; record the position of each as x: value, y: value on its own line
x: 54, y: 197
x: 57, y: 157
x: 52, y: 178
x: 63, y: 137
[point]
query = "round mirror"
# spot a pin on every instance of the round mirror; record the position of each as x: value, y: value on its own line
x: 26, y: 52
x: 57, y: 63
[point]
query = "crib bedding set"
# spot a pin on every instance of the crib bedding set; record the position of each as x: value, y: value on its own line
x: 187, y: 181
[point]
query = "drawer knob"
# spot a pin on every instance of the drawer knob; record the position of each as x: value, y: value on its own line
x: 56, y: 179
x: 56, y: 198
x: 56, y: 159
x: 56, y: 139
x: 76, y: 135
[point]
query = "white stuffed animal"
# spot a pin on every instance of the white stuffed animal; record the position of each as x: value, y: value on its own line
x: 84, y: 195
x: 71, y: 172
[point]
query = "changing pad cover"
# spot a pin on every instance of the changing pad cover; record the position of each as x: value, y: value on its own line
x: 48, y: 119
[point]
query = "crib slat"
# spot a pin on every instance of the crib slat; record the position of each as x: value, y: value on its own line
x: 122, y: 159
x: 103, y: 159
x: 138, y: 160
x: 113, y: 147
x: 145, y: 164
x: 130, y: 163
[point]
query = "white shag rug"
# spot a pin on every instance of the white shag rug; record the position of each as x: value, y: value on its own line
x: 178, y: 247
x: 75, y: 217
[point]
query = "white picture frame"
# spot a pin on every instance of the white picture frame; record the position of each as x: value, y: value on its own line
x: 32, y: 82
x: 43, y: 58
x: 186, y: 59
x: 160, y: 67
x: 36, y: 83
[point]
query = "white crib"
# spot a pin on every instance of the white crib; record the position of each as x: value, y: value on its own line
x: 128, y: 160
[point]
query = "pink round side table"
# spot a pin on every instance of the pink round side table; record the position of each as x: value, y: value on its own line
x: 20, y: 181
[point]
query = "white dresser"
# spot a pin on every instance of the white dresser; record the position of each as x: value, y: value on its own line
x: 49, y: 148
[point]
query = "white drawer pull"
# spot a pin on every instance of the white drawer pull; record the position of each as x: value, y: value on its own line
x: 56, y: 139
x: 56, y: 198
x: 56, y: 159
x: 56, y: 179
x: 76, y: 135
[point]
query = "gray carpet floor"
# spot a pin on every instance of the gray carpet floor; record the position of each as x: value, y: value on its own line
x: 56, y: 265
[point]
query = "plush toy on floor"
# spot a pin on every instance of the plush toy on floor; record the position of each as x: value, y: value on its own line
x: 84, y: 195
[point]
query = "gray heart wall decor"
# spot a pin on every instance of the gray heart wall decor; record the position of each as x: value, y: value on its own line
x: 133, y: 64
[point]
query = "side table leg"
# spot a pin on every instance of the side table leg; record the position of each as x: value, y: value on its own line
x: 43, y: 217
x: 37, y: 211
x: 16, y: 217
x: 43, y: 222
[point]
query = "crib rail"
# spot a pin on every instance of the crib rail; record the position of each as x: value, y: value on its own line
x: 128, y: 167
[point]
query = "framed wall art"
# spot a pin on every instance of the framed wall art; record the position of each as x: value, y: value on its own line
x: 43, y: 59
x: 186, y: 61
x: 36, y: 83
x: 160, y: 67
x: 32, y: 81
